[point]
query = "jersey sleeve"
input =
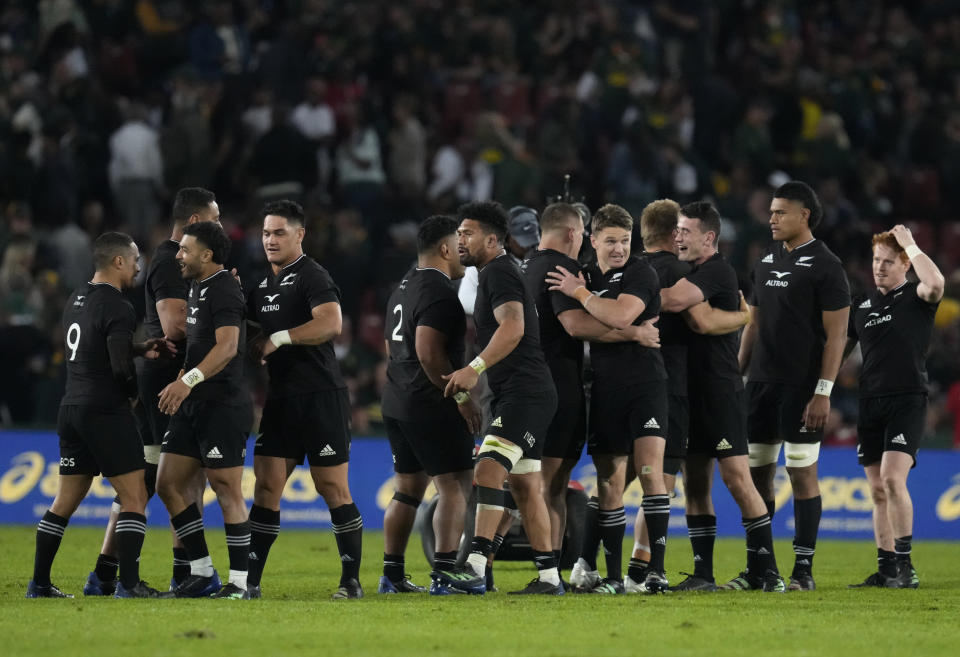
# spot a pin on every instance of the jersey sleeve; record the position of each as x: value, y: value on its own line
x: 559, y: 301
x: 167, y: 283
x: 640, y: 281
x: 852, y: 321
x: 753, y: 299
x: 318, y: 288
x: 504, y: 285
x: 833, y: 290
x: 443, y: 315
x: 227, y: 305
x: 118, y: 319
x: 712, y: 277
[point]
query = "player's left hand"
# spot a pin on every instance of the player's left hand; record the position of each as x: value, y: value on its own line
x: 903, y: 235
x: 471, y: 413
x: 816, y: 412
x: 267, y: 349
x: 172, y: 396
x: 564, y: 281
x: 155, y: 348
x: 463, y: 380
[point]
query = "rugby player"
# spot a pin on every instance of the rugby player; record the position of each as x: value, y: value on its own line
x: 307, y: 412
x: 97, y: 430
x: 717, y: 429
x: 792, y: 350
x: 893, y: 326
x: 524, y: 400
x: 211, y: 414
x: 431, y: 437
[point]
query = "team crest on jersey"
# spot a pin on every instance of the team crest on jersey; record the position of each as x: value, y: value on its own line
x: 804, y: 261
x: 768, y: 258
x: 616, y: 277
x: 289, y: 279
x: 866, y: 304
x: 263, y: 283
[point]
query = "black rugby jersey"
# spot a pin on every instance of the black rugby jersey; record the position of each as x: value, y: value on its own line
x: 674, y: 332
x: 425, y: 297
x: 894, y: 333
x: 792, y: 289
x: 524, y: 371
x: 285, y: 301
x: 564, y: 353
x: 627, y: 363
x: 212, y: 303
x: 714, y: 357
x: 94, y: 312
x: 163, y: 281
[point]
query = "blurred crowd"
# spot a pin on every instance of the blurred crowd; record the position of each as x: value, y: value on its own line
x: 375, y: 113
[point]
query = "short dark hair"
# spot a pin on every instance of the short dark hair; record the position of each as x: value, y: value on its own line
x: 556, y: 215
x: 211, y: 235
x: 108, y: 246
x: 489, y: 214
x: 611, y: 216
x: 433, y: 229
x: 707, y: 214
x: 289, y: 210
x: 802, y: 193
x: 189, y: 201
x: 658, y: 221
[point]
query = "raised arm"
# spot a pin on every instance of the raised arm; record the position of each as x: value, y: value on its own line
x: 707, y: 320
x: 931, y: 284
x: 616, y: 313
x: 680, y: 296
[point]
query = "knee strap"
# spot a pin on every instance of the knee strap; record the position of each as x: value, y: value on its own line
x: 403, y: 498
x: 504, y: 453
x: 762, y: 454
x: 801, y: 455
x: 490, y: 499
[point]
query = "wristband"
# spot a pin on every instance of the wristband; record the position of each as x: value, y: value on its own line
x: 280, y: 338
x: 824, y: 387
x: 461, y: 397
x: 582, y: 295
x: 478, y: 365
x: 193, y: 377
x: 913, y: 251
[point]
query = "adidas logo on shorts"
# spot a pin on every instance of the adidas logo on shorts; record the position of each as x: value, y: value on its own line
x: 497, y: 423
x: 651, y: 424
x: 214, y: 453
x: 724, y: 444
x: 899, y: 440
x: 328, y: 451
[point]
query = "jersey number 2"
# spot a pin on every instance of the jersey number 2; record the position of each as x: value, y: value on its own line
x: 397, y: 310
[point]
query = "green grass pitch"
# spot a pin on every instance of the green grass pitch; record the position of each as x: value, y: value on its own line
x: 295, y: 617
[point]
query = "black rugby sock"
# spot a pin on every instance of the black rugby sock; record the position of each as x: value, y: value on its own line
x: 393, y: 567
x: 759, y: 546
x: 445, y: 560
x: 901, y: 549
x: 807, y: 517
x: 703, y: 533
x: 656, y: 514
x: 106, y: 568
x: 188, y: 524
x: 591, y: 533
x: 49, y: 534
x: 348, y: 530
x: 131, y: 530
x: 181, y: 564
x: 613, y: 523
x: 238, y: 546
x: 886, y: 563
x: 264, y: 527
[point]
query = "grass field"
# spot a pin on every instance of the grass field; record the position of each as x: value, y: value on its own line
x: 296, y: 617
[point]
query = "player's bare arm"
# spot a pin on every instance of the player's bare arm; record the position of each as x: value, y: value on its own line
x: 931, y: 278
x: 682, y: 295
x: 505, y: 339
x: 835, y: 326
x: 616, y: 313
x: 584, y: 326
x: 173, y: 318
x: 705, y: 319
x: 748, y: 338
x: 431, y: 346
x: 225, y: 349
x: 325, y: 324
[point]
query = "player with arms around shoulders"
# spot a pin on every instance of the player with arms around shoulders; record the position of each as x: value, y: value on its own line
x: 97, y: 430
x: 307, y: 412
x: 524, y: 400
x: 211, y: 414
x: 717, y: 430
x: 893, y: 326
x: 431, y: 436
x: 791, y: 352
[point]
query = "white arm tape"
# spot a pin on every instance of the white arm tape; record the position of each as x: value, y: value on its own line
x: 193, y: 377
x: 280, y: 338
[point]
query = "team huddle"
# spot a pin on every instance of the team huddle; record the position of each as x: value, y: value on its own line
x: 670, y: 339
